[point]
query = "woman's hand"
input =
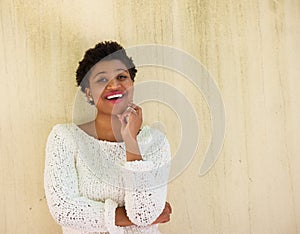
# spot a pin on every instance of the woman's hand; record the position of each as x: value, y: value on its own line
x: 164, y: 217
x: 131, y: 121
x: 122, y: 219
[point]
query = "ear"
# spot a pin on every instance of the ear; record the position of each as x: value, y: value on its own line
x: 88, y: 94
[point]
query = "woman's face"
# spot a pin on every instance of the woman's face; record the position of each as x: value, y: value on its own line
x: 111, y: 87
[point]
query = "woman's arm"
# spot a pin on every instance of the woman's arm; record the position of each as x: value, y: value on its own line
x: 122, y: 219
x: 145, y: 183
x: 145, y: 173
x: 65, y: 203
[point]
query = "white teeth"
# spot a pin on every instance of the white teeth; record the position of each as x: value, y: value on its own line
x: 114, y: 96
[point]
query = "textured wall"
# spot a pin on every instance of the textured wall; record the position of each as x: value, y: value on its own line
x: 252, y: 50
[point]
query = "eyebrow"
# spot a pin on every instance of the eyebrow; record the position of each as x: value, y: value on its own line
x: 116, y: 70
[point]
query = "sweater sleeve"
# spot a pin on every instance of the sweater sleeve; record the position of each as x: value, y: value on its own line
x: 65, y: 203
x: 146, y: 180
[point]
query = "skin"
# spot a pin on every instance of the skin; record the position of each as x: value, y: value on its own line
x: 117, y: 120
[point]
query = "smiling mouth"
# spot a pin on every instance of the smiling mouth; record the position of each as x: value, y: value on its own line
x: 114, y: 97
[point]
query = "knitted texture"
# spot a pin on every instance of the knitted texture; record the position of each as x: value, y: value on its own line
x: 86, y: 179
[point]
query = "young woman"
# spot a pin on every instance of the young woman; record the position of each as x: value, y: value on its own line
x: 108, y: 175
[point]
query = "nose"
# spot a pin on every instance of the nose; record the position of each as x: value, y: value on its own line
x: 113, y: 84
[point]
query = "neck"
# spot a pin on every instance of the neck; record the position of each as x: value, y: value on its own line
x: 108, y: 127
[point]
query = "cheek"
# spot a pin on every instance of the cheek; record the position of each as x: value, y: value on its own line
x: 97, y: 94
x: 129, y: 85
x: 130, y: 90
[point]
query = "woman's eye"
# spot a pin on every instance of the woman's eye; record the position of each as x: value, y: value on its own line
x: 102, y: 80
x: 122, y: 77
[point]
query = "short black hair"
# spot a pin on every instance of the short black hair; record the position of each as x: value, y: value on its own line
x: 105, y: 51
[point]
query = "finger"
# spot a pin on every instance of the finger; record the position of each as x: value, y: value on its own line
x: 166, y: 219
x: 130, y: 109
x: 168, y: 210
x: 168, y: 207
x: 137, y: 108
x: 126, y: 113
x: 134, y: 106
x: 122, y: 119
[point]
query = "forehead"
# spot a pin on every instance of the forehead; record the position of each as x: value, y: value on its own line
x: 108, y: 66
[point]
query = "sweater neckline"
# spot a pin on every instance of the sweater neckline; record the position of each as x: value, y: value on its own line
x: 95, y: 139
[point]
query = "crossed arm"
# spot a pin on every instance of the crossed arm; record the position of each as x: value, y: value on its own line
x: 71, y: 209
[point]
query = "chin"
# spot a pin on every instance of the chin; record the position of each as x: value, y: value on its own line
x: 118, y: 109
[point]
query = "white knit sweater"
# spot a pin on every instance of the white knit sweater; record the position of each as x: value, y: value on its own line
x: 86, y: 179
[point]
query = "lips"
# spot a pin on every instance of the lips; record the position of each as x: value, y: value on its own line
x: 114, y: 96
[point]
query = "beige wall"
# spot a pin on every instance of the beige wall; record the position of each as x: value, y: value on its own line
x: 252, y: 50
